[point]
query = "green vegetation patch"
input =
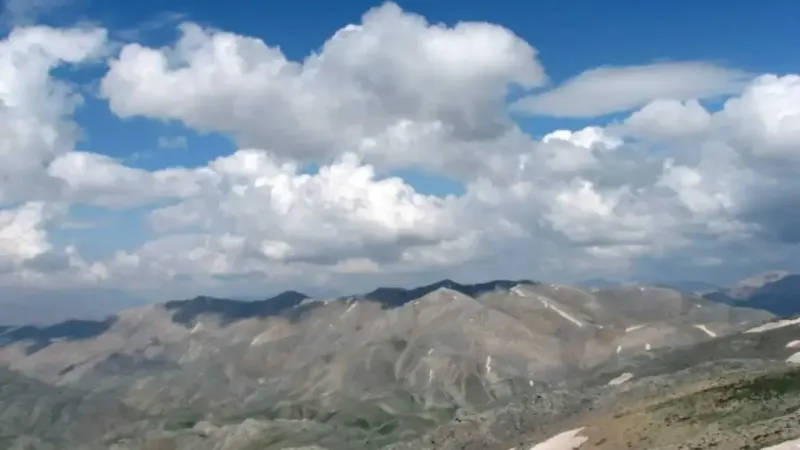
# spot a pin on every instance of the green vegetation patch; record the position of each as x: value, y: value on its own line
x: 737, y: 404
x: 765, y: 387
x: 183, y: 418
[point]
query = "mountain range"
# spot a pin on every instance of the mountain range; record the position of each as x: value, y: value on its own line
x: 772, y: 291
x: 497, y: 365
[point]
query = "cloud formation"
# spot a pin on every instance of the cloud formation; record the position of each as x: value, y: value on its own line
x: 607, y: 90
x: 26, y: 12
x: 674, y: 181
x: 390, y: 82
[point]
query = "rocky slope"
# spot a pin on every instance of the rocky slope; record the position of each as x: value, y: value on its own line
x: 393, y: 367
x: 740, y: 391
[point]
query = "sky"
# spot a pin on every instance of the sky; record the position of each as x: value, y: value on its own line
x: 164, y: 149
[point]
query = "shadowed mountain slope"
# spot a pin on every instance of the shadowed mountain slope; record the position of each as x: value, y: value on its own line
x: 776, y: 292
x: 185, y: 311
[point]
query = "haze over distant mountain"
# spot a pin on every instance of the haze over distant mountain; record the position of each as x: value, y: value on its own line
x: 393, y: 368
x: 775, y: 291
x: 689, y: 286
x: 599, y: 283
x: 685, y: 286
x: 32, y: 306
x: 749, y: 286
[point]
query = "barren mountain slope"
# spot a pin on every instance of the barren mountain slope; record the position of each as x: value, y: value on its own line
x: 736, y: 392
x: 376, y: 372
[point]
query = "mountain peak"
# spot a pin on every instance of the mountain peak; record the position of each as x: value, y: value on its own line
x: 444, y: 290
x: 748, y: 286
x: 288, y: 296
x: 393, y: 297
x: 187, y: 311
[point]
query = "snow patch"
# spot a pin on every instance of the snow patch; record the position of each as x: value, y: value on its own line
x: 619, y: 349
x: 311, y: 301
x: 705, y: 329
x: 794, y: 444
x: 198, y: 327
x: 793, y: 344
x: 634, y: 328
x: 794, y: 359
x: 530, y: 383
x: 262, y: 338
x: 647, y: 347
x: 568, y: 440
x: 488, y: 364
x: 624, y: 378
x: 517, y: 290
x: 561, y: 313
x: 774, y: 325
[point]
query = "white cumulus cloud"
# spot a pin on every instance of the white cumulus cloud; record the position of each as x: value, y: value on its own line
x: 389, y: 88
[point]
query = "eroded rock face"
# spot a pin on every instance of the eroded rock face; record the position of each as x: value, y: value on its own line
x: 366, y: 371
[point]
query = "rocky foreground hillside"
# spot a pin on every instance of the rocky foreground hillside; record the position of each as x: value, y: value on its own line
x: 505, y: 364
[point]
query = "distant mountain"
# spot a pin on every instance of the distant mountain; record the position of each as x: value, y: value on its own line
x: 32, y: 306
x: 749, y: 286
x: 388, y: 369
x: 685, y: 286
x: 781, y: 297
x: 776, y: 292
x: 288, y: 304
x: 690, y: 286
x: 186, y: 311
x: 42, y: 336
x: 393, y: 297
x: 599, y: 283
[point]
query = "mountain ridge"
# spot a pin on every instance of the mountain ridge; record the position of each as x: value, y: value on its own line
x: 389, y: 369
x: 777, y: 292
x: 392, y: 297
x: 290, y: 304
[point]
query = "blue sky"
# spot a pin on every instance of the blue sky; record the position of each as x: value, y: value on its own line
x: 570, y: 37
